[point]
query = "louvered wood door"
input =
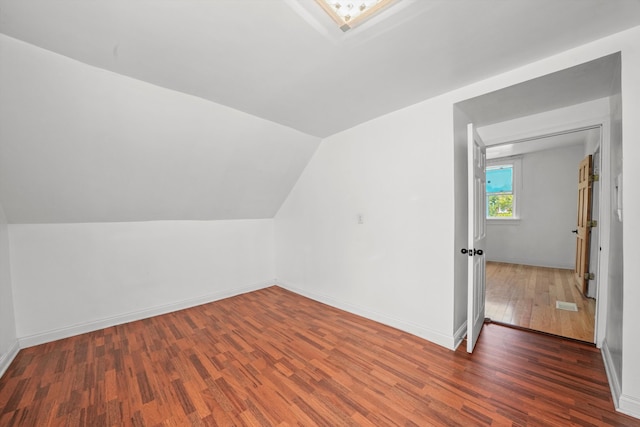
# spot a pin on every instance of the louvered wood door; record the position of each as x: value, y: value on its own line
x: 583, y: 224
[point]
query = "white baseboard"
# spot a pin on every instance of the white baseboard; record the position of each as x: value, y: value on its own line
x: 60, y: 333
x: 533, y: 263
x: 629, y: 405
x: 7, y: 358
x: 410, y: 327
x: 459, y: 336
x: 612, y: 375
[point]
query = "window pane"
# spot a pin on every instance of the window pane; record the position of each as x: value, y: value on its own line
x: 500, y: 206
x: 500, y: 179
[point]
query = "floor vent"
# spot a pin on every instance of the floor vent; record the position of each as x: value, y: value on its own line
x: 569, y: 306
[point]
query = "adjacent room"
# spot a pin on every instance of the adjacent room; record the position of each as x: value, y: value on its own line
x: 282, y: 212
x: 531, y: 249
x: 541, y: 264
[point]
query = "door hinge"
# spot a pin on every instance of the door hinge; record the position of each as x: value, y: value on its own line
x: 590, y: 276
x: 592, y: 224
x: 594, y: 177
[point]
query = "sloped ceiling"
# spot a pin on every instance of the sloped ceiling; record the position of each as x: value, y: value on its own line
x: 80, y: 144
x: 264, y: 58
x: 120, y: 110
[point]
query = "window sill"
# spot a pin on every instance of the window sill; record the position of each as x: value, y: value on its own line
x: 503, y: 221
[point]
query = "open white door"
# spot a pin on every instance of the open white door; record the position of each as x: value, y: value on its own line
x: 477, y: 236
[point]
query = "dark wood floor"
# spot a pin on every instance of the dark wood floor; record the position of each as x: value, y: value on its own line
x: 275, y: 358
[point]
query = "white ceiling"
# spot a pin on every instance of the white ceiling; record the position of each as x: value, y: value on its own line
x: 520, y: 119
x: 106, y: 111
x: 585, y: 82
x: 79, y: 144
x: 284, y: 60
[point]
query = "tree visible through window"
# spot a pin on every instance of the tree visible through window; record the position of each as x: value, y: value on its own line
x: 500, y: 196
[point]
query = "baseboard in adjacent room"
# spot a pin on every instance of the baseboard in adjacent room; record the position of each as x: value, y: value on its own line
x: 532, y: 263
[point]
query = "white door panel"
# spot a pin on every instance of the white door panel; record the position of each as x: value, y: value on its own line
x: 477, y: 236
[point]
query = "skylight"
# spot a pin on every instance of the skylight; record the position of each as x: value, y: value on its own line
x: 349, y: 13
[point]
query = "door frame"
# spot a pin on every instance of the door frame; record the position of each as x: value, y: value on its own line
x: 604, y: 211
x: 596, y: 197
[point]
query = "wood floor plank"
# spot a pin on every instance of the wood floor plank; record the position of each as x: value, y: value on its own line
x: 526, y: 296
x: 274, y: 358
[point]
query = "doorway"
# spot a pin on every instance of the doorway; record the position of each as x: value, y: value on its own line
x: 531, y: 250
x: 583, y: 95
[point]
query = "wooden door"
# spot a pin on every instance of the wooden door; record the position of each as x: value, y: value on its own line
x: 583, y: 230
x: 477, y: 236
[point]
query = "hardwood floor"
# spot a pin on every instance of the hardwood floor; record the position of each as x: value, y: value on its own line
x: 526, y: 296
x: 272, y: 357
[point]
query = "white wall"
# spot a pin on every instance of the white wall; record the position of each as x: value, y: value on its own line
x: 630, y: 398
x: 547, y: 205
x: 398, y: 171
x: 399, y: 265
x: 81, y: 144
x: 390, y: 171
x: 8, y: 340
x: 548, y: 122
x: 73, y: 278
x: 614, y: 339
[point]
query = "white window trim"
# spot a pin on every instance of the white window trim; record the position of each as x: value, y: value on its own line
x: 516, y: 163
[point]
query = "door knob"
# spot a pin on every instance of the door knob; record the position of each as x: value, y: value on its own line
x: 471, y: 252
x: 574, y: 231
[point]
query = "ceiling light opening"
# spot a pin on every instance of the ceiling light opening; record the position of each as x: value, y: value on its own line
x: 350, y: 13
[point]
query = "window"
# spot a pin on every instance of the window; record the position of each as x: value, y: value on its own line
x: 501, y: 176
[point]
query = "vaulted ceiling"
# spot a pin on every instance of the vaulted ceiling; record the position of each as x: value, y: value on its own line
x: 119, y: 110
x: 287, y: 62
